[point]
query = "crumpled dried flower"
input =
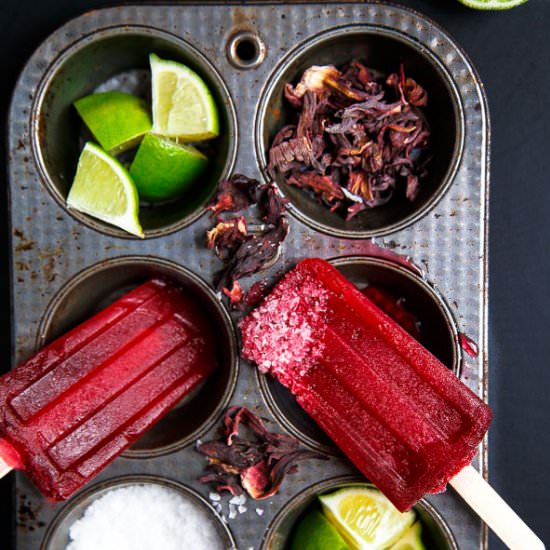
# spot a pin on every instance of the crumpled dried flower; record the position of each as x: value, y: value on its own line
x: 248, y: 456
x: 359, y: 139
x: 245, y: 252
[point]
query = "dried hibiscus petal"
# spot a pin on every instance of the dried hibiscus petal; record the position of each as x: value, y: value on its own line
x: 357, y: 134
x: 245, y: 253
x: 250, y: 456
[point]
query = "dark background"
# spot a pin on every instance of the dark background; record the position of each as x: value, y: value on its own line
x: 511, y: 51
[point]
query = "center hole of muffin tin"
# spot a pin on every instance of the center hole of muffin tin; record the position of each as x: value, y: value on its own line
x: 438, y: 328
x: 100, y: 285
x: 245, y: 50
x: 117, y: 58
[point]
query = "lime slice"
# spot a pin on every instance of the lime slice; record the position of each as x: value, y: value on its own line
x: 315, y: 532
x: 183, y: 106
x: 103, y: 189
x: 411, y: 540
x: 117, y: 120
x: 163, y: 169
x: 365, y: 517
x: 492, y: 4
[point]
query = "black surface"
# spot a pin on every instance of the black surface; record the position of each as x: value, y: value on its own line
x: 511, y: 50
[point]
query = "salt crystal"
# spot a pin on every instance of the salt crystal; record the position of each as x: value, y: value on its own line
x: 242, y: 509
x: 238, y: 499
x: 259, y: 511
x: 232, y: 511
x: 141, y: 517
x: 214, y: 497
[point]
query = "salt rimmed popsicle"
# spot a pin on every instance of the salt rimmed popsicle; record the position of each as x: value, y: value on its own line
x: 394, y: 409
x: 69, y: 410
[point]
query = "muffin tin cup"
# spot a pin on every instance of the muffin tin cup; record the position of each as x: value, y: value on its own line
x: 436, y: 533
x: 438, y: 328
x: 57, y: 535
x: 117, y: 58
x: 382, y: 49
x: 65, y: 266
x: 97, y: 287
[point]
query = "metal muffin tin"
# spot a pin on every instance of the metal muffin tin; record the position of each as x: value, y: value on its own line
x: 240, y: 50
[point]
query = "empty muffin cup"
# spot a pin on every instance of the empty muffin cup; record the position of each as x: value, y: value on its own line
x: 117, y: 58
x: 57, y: 534
x: 437, y: 331
x: 100, y: 285
x: 436, y: 534
x: 383, y: 50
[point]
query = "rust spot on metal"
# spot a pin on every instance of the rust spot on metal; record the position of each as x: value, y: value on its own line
x: 22, y: 266
x: 25, y: 244
x: 48, y: 268
x: 241, y: 19
x: 20, y: 145
x: 275, y: 113
x: 27, y: 515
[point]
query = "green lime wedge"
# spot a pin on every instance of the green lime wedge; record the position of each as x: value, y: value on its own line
x: 314, y: 532
x: 163, y: 169
x: 492, y: 4
x: 116, y: 119
x: 411, y: 540
x: 183, y: 106
x: 365, y: 518
x: 103, y: 189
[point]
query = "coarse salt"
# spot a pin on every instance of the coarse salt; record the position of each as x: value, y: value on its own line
x: 141, y: 517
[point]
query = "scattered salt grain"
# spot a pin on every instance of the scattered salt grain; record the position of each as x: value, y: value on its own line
x: 141, y: 517
x: 232, y: 511
x: 259, y: 511
x: 214, y: 497
x: 242, y: 509
x: 238, y: 500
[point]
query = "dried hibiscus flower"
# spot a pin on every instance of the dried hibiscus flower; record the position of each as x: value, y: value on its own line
x: 358, y: 140
x: 245, y: 252
x: 249, y: 457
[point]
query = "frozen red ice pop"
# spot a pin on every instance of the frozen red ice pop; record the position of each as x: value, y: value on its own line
x: 393, y: 408
x: 70, y: 409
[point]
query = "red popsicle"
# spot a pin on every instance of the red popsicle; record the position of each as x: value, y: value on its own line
x: 394, y: 409
x: 69, y: 410
x: 401, y: 416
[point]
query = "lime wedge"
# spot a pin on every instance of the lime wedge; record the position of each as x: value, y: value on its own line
x: 103, y: 189
x: 116, y: 119
x: 163, y: 169
x: 365, y: 518
x: 315, y: 532
x: 492, y: 4
x: 183, y: 106
x: 411, y: 540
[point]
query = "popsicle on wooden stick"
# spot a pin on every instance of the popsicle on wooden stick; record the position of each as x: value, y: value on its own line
x: 70, y: 409
x: 394, y: 409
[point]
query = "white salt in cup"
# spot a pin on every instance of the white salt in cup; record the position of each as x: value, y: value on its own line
x: 57, y: 534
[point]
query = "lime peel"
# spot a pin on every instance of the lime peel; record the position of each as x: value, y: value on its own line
x: 365, y: 518
x: 116, y: 119
x: 183, y: 107
x: 164, y: 170
x: 492, y: 4
x: 102, y: 188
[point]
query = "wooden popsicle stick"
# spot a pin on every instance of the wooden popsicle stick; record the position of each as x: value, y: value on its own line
x: 494, y: 511
x: 5, y: 468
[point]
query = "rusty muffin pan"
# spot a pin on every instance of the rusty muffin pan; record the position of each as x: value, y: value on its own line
x: 66, y: 265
